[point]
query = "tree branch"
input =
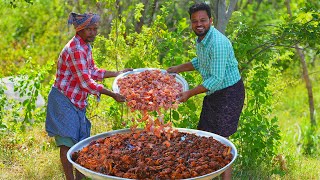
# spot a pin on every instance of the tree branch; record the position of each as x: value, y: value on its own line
x: 231, y: 8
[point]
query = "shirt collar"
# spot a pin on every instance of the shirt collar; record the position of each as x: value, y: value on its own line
x: 207, y: 38
x: 83, y: 43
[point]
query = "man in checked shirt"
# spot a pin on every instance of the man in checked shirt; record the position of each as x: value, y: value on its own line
x: 222, y: 82
x: 75, y: 78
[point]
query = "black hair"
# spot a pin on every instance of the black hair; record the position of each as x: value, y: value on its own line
x: 198, y: 7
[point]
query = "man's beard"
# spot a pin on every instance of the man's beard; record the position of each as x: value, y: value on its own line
x: 90, y: 39
x: 202, y: 34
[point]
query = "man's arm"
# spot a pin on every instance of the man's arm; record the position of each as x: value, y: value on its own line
x: 116, y: 96
x: 184, y: 96
x: 181, y: 68
x: 108, y: 74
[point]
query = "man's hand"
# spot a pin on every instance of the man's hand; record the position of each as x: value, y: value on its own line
x: 118, y: 97
x: 184, y: 96
x: 123, y: 71
x: 115, y: 73
x: 173, y: 69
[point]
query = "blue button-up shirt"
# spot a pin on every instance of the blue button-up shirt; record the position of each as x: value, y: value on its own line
x: 216, y: 61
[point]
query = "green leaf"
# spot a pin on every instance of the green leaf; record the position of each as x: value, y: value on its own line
x: 175, y: 115
x: 137, y: 12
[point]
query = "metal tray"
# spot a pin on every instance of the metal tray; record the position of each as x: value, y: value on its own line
x: 179, y: 78
x: 98, y: 176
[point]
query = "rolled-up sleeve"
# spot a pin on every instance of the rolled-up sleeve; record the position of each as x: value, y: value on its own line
x: 195, y: 63
x: 97, y: 74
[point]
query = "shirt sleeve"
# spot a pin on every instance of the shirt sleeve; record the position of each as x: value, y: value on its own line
x: 218, y: 60
x: 195, y: 63
x: 80, y: 68
x: 97, y: 73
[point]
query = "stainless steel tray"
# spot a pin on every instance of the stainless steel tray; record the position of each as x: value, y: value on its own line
x: 179, y: 78
x: 98, y: 176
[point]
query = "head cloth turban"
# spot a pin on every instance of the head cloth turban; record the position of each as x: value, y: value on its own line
x: 81, y: 21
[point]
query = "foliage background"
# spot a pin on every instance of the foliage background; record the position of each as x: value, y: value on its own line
x: 275, y: 138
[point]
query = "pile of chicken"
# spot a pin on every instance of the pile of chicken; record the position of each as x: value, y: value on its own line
x: 141, y: 155
x: 151, y: 90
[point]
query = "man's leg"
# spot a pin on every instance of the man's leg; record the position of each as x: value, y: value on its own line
x: 79, y: 175
x: 67, y: 166
x: 227, y: 174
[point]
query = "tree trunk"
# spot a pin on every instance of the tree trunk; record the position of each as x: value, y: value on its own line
x: 305, y: 74
x: 222, y: 14
x: 308, y: 84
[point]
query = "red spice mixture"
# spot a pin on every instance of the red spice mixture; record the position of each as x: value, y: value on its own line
x: 142, y: 155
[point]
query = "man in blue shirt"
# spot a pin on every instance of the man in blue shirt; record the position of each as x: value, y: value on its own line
x: 222, y: 82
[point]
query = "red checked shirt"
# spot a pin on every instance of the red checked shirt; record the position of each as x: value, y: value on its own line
x: 76, y: 72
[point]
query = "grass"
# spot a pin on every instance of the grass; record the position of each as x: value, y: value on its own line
x: 294, y: 121
x: 33, y: 155
x: 30, y: 155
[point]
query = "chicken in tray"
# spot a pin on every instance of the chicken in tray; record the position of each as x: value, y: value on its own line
x: 141, y: 155
x: 151, y: 90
